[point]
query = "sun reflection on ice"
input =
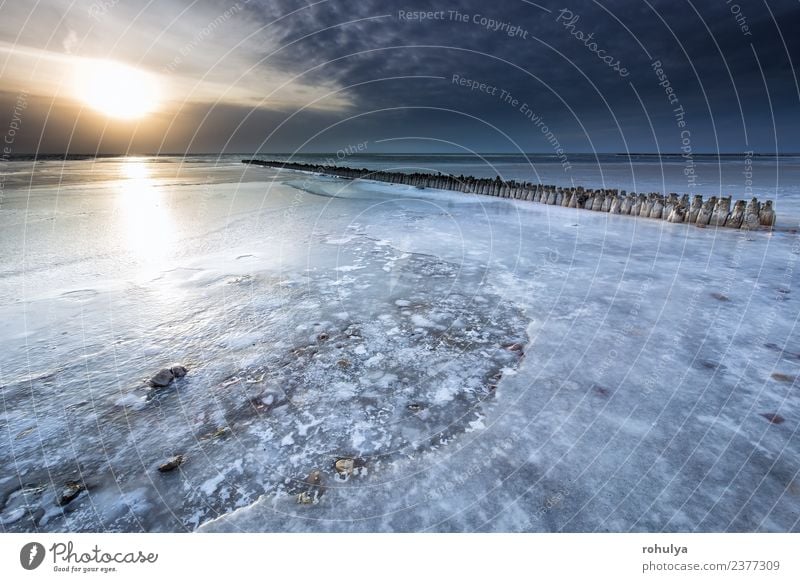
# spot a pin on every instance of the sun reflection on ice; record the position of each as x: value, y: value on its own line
x: 146, y: 221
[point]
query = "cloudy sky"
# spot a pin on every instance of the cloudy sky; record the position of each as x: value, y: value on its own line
x: 505, y: 76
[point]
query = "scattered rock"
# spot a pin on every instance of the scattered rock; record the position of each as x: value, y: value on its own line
x: 24, y: 432
x: 71, y: 490
x: 314, y: 477
x: 344, y: 467
x: 720, y: 297
x: 783, y: 377
x: 514, y: 348
x: 305, y: 498
x: 312, y: 489
x: 353, y: 331
x: 162, y: 379
x: 171, y: 464
x: 347, y: 466
x: 220, y: 432
x: 773, y: 418
x: 165, y: 376
x: 601, y: 390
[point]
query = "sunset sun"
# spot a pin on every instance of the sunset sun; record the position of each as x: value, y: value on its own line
x: 116, y: 90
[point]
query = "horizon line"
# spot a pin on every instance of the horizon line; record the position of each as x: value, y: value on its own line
x: 367, y: 154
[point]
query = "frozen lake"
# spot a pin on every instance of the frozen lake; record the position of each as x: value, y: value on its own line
x: 487, y: 365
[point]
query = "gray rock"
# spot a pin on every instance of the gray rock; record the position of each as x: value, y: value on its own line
x: 171, y: 464
x: 71, y: 490
x: 165, y: 376
x: 311, y: 490
x: 344, y: 466
x: 220, y: 433
x: 162, y: 379
x: 516, y: 348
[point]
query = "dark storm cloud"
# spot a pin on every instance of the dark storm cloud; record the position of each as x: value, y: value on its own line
x: 714, y: 54
x: 727, y: 63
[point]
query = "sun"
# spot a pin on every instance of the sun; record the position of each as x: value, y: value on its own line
x: 116, y: 90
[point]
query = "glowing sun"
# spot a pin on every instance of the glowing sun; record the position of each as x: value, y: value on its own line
x: 115, y: 89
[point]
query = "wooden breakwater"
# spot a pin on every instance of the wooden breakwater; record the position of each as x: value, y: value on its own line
x: 714, y: 211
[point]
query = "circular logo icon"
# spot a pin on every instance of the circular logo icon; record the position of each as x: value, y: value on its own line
x: 31, y: 555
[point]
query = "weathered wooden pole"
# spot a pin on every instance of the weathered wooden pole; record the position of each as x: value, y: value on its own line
x: 721, y: 211
x: 766, y: 215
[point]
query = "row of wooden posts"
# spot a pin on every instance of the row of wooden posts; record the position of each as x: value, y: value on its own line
x: 672, y: 208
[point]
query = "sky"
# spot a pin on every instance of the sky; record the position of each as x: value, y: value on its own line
x: 119, y: 76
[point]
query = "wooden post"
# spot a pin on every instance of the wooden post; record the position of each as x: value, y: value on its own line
x: 627, y: 202
x: 677, y: 214
x: 767, y: 215
x: 694, y: 211
x: 751, y: 219
x: 721, y: 211
x: 736, y: 217
x: 647, y: 206
x: 704, y: 216
x: 573, y: 200
x: 658, y: 206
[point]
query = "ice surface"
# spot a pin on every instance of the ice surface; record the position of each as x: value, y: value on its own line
x: 492, y: 365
